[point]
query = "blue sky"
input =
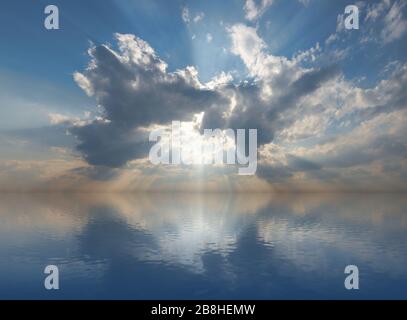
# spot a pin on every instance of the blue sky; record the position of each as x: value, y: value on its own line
x: 38, y: 89
x: 287, y: 27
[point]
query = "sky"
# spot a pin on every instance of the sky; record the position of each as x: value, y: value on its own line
x: 77, y: 104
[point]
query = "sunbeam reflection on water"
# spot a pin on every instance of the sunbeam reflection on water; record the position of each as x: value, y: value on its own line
x: 169, y: 246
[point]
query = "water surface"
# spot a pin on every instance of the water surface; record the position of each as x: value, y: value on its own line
x: 191, y: 246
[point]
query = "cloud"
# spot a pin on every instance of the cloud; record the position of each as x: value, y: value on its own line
x: 384, y: 23
x: 266, y: 103
x: 394, y: 24
x: 254, y: 11
x: 199, y: 17
x: 374, y: 11
x: 135, y: 91
x: 291, y: 104
x: 349, y: 132
x: 98, y: 173
x: 379, y: 131
x: 108, y: 144
x: 305, y: 2
x: 247, y: 45
x: 369, y: 154
x: 209, y: 38
x: 185, y: 15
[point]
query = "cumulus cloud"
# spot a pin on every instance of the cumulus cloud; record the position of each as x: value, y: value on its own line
x: 135, y: 91
x: 279, y: 86
x: 291, y: 104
